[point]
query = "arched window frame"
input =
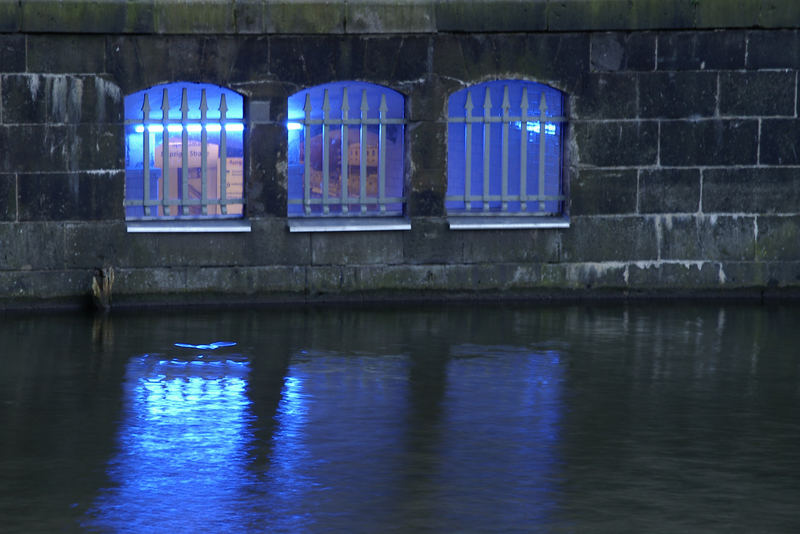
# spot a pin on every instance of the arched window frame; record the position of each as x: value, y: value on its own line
x: 184, y: 129
x: 485, y: 188
x: 327, y: 121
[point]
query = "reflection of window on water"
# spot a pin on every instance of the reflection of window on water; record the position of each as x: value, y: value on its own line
x: 183, y: 448
x: 184, y: 152
x: 346, y: 150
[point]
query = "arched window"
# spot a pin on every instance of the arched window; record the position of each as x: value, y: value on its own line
x: 504, y: 150
x: 346, y: 151
x: 183, y: 153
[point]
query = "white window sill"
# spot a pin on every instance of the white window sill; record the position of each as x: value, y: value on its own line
x: 476, y: 222
x: 188, y: 226
x: 348, y: 224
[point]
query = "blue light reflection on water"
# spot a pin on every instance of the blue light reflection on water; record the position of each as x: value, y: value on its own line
x: 183, y: 449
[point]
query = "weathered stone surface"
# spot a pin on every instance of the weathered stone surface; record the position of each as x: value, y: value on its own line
x: 757, y: 93
x: 205, y: 16
x: 701, y: 50
x: 430, y: 241
x: 674, y: 95
x: 709, y: 142
x: 34, y: 98
x: 490, y: 246
x: 569, y: 15
x: 778, y: 238
x: 31, y: 246
x: 34, y: 148
x: 271, y: 243
x: 616, y: 144
x: 623, y: 52
x: 426, y: 99
x: 314, y: 60
x: 95, y: 245
x: 779, y: 142
x: 780, y: 275
x: 560, y: 60
x: 719, y: 13
x: 593, y: 239
x: 738, y: 274
x: 778, y: 13
x: 751, y: 190
x: 370, y: 16
x: 266, y: 185
x: 426, y: 202
x: 391, y: 60
x: 707, y: 238
x: 102, y: 101
x: 354, y: 248
x: 305, y: 17
x: 12, y: 49
x: 88, y: 16
x: 607, y: 96
x: 46, y: 53
x: 774, y: 49
x: 595, y: 192
x: 669, y: 191
x: 8, y: 197
x: 49, y: 197
x: 427, y: 143
x: 674, y: 275
x: 497, y: 15
x: 46, y: 288
x: 96, y: 147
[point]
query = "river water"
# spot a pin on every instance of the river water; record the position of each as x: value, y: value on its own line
x: 460, y: 418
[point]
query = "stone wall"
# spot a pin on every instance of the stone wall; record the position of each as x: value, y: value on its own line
x: 682, y: 167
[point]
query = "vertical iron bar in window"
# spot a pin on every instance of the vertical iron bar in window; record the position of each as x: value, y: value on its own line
x: 146, y: 153
x: 184, y: 152
x: 223, y: 155
x: 504, y: 163
x: 523, y: 152
x: 362, y: 149
x: 165, y: 150
x: 345, y: 172
x: 382, y: 112
x: 203, y: 152
x: 326, y: 153
x: 468, y: 150
x: 307, y: 156
x: 487, y: 147
x: 542, y: 141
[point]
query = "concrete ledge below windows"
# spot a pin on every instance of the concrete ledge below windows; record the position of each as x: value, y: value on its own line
x: 349, y: 224
x: 190, y: 226
x: 506, y: 223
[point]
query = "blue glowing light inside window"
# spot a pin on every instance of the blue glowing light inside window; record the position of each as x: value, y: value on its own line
x: 488, y: 139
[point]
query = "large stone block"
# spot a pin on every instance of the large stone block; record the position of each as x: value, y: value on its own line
x: 593, y: 239
x: 708, y: 238
x: 8, y: 197
x: 426, y: 202
x: 719, y: 14
x: 674, y: 95
x: 49, y: 197
x: 85, y: 16
x: 781, y: 275
x: 197, y: 16
x: 149, y: 281
x: 426, y: 99
x: 12, y: 49
x: 96, y: 147
x: 271, y: 243
x: 773, y: 49
x: 305, y: 17
x: 616, y: 144
x: 370, y: 16
x: 606, y: 96
x: 66, y: 53
x: 595, y: 192
x: 34, y: 148
x: 757, y: 93
x: 266, y: 186
x: 248, y: 58
x: 776, y: 13
x: 46, y: 288
x: 701, y: 50
x: 623, y: 51
x: 494, y: 16
x: 31, y: 246
x: 100, y: 195
x: 709, y: 142
x: 185, y: 249
x: 570, y: 15
x: 669, y: 191
x: 510, y: 246
x: 92, y: 245
x: 751, y: 190
x: 778, y: 238
x: 678, y: 276
x: 313, y: 60
x: 101, y: 102
x: 779, y: 142
x: 392, y: 60
x: 428, y: 145
x: 431, y: 241
x: 744, y: 274
x: 35, y: 98
x: 356, y: 248
x: 561, y: 60
x: 224, y: 283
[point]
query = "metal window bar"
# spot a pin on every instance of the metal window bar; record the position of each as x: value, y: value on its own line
x: 345, y: 200
x: 484, y: 197
x: 148, y: 125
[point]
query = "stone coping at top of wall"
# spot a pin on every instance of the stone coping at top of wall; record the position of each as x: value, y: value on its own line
x: 388, y: 16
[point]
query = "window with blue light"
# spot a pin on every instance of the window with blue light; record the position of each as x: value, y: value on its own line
x: 184, y: 155
x: 346, y: 151
x: 504, y: 150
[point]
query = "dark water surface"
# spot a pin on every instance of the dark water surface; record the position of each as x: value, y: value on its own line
x: 618, y: 418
